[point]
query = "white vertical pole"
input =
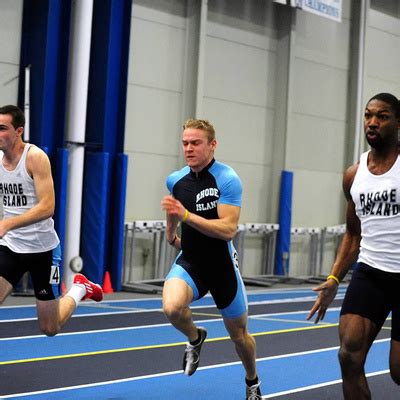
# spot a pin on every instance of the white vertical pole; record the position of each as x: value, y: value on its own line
x: 201, y: 59
x: 358, y: 142
x: 79, y: 58
x: 27, y: 103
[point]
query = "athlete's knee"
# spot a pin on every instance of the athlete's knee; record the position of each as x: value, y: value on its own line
x: 3, y: 295
x: 5, y: 289
x: 49, y: 329
x: 350, y: 358
x: 173, y: 311
x: 241, y: 337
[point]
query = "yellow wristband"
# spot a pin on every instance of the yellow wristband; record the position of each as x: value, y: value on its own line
x: 335, y: 278
x: 185, y: 217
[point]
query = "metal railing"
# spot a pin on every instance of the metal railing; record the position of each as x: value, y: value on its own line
x: 148, y: 256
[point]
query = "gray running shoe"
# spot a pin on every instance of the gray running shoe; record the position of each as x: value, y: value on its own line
x: 253, y: 392
x: 191, y: 357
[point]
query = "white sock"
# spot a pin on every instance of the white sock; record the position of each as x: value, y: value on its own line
x: 77, y: 292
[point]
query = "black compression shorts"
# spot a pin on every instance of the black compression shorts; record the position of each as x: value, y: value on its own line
x: 44, y: 269
x: 373, y: 294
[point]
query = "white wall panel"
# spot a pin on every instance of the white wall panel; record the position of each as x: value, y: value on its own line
x: 376, y: 85
x: 10, y: 44
x: 317, y: 124
x: 346, y: 9
x: 320, y: 90
x: 146, y: 183
x: 153, y: 121
x: 317, y: 199
x: 9, y: 83
x: 240, y: 73
x: 156, y: 55
x: 154, y: 104
x: 384, y: 22
x: 322, y: 40
x: 256, y: 191
x: 171, y: 14
x: 382, y: 55
x: 10, y: 30
x: 316, y: 144
x: 244, y: 132
x: 253, y: 256
x: 250, y: 38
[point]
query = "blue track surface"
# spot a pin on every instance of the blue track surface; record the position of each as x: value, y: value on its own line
x: 279, y: 374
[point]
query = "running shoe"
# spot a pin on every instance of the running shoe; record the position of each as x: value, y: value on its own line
x: 253, y: 392
x: 191, y: 357
x: 93, y: 290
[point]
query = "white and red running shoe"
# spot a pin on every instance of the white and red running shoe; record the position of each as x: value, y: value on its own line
x: 93, y: 290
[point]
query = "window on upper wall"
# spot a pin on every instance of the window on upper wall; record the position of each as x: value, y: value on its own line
x: 391, y: 7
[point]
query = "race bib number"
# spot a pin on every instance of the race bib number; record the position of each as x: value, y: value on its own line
x: 55, y: 275
x: 236, y: 259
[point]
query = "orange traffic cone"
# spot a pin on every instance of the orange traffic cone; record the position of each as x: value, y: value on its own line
x: 107, y: 287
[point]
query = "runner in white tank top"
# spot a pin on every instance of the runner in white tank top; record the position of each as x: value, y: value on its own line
x: 372, y: 190
x: 28, y: 241
x: 377, y: 199
x: 18, y: 194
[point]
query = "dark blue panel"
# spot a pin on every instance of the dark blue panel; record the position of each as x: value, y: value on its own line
x: 285, y: 220
x: 50, y: 75
x: 123, y: 73
x: 55, y: 70
x: 61, y: 184
x: 33, y: 52
x: 118, y: 220
x: 108, y: 74
x: 95, y: 215
x: 106, y: 113
x: 44, y: 46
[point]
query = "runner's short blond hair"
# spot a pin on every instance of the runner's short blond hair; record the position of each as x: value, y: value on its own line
x: 201, y: 124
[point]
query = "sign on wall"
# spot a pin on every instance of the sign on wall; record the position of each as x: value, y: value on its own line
x: 331, y: 9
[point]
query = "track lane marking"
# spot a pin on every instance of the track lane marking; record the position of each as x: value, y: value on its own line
x: 158, y: 346
x: 178, y: 372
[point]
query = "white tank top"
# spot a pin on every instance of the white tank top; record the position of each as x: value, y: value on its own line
x: 377, y: 201
x: 17, y: 192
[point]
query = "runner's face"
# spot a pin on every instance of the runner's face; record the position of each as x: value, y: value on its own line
x: 8, y: 134
x: 380, y: 124
x: 198, y: 151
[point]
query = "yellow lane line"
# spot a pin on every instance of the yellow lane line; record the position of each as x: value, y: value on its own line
x: 206, y: 314
x: 157, y: 346
x: 91, y: 353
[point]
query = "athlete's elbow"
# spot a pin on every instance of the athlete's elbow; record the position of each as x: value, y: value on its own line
x: 230, y: 235
x: 48, y: 212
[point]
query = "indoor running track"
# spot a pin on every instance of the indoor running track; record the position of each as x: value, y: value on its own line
x: 125, y: 349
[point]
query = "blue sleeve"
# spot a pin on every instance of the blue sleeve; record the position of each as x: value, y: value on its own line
x: 231, y: 190
x: 170, y: 183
